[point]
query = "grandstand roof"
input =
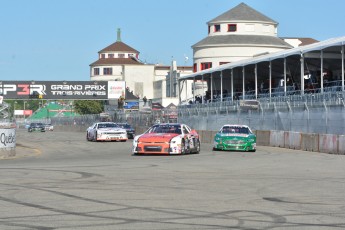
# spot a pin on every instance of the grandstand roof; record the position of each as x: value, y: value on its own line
x: 269, y: 57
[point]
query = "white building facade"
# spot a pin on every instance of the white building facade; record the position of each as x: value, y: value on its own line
x: 237, y: 34
x: 120, y: 62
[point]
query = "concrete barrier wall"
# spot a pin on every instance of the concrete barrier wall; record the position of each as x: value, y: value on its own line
x: 277, y: 138
x: 263, y: 137
x: 341, y: 144
x: 292, y: 140
x: 310, y: 142
x: 328, y: 143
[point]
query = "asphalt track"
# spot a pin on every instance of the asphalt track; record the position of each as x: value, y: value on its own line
x: 58, y: 180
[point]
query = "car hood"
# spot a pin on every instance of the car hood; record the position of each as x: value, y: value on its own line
x: 157, y: 137
x: 234, y: 135
x: 111, y: 130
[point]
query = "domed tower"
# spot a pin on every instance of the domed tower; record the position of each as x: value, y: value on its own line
x: 237, y: 34
x: 112, y: 59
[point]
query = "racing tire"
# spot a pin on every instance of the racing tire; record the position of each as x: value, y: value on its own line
x: 95, y: 137
x: 183, y: 147
x: 87, y: 136
x: 198, y: 148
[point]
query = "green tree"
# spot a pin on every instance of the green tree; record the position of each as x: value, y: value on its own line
x: 88, y: 107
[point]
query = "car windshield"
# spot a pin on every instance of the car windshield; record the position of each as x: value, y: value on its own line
x: 125, y: 126
x: 36, y: 124
x: 166, y: 129
x: 235, y: 129
x: 107, y: 125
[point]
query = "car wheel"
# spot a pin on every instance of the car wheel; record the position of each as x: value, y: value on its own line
x: 197, y: 148
x: 214, y: 149
x: 183, y: 147
x: 95, y: 137
x: 87, y: 136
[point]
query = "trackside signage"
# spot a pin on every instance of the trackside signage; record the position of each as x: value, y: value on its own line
x: 83, y: 90
x: 7, y: 138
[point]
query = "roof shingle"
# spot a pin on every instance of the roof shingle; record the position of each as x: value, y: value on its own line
x: 242, y: 12
x: 229, y: 40
x: 116, y: 61
x: 118, y: 47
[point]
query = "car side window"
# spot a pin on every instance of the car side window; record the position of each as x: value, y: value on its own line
x: 185, y: 130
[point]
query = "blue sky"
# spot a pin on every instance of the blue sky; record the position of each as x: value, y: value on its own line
x: 59, y: 39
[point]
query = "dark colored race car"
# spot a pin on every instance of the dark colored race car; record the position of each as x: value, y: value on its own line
x: 36, y: 127
x: 130, y: 130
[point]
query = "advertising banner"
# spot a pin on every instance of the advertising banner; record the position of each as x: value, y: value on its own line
x: 7, y: 138
x: 70, y: 90
x: 116, y: 89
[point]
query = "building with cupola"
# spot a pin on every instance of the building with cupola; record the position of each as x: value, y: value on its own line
x: 240, y: 33
x: 121, y: 62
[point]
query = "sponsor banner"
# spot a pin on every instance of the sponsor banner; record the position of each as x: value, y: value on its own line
x: 7, y: 138
x: 249, y: 104
x: 21, y: 112
x: 131, y: 105
x: 116, y: 89
x: 84, y: 90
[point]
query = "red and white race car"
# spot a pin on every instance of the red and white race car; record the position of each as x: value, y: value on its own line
x: 106, y: 131
x: 169, y: 138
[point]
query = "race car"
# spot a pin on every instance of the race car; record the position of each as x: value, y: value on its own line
x: 36, y: 126
x: 167, y: 138
x: 235, y: 137
x: 106, y: 131
x: 49, y: 127
x: 130, y: 130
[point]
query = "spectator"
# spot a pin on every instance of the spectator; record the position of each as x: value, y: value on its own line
x: 145, y: 100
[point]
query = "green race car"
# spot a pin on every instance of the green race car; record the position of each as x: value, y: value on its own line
x: 235, y: 137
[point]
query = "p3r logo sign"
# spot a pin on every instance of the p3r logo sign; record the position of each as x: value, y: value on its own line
x: 23, y: 89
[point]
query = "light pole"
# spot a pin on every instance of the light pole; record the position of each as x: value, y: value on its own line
x: 14, y: 109
x: 24, y: 110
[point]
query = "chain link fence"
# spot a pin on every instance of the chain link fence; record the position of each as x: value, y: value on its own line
x: 316, y: 113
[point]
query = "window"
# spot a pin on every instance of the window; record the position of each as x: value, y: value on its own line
x: 232, y: 27
x: 209, y: 29
x: 185, y: 130
x: 223, y: 62
x: 206, y: 65
x: 216, y: 28
x: 121, y: 55
x: 107, y: 71
x: 110, y: 55
x: 96, y: 71
x: 102, y: 56
x: 194, y: 67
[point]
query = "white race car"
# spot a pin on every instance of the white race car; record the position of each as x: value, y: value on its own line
x: 106, y: 131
